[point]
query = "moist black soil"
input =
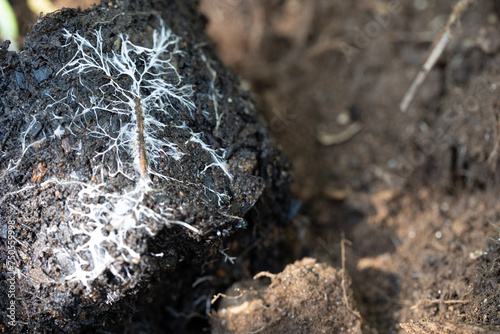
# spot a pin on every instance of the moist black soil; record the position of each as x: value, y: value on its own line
x: 121, y: 164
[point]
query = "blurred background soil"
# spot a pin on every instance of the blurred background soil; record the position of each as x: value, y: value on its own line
x: 416, y: 193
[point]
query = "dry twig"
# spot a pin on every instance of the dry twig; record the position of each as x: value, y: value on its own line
x: 436, y: 51
x: 429, y: 302
x: 344, y: 290
x: 328, y: 139
x: 220, y: 294
x: 264, y: 274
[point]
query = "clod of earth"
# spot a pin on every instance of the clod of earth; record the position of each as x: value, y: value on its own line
x: 125, y: 149
x: 306, y: 297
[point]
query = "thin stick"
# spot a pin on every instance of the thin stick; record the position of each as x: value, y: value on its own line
x: 428, y: 302
x: 344, y: 290
x: 220, y: 294
x: 264, y: 274
x: 436, y: 51
x: 328, y: 139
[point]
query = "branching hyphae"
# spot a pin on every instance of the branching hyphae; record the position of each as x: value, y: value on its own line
x: 218, y: 159
x: 133, y: 113
x: 138, y: 79
x: 13, y: 165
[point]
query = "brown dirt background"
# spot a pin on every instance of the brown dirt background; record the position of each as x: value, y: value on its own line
x: 306, y: 297
x: 416, y: 193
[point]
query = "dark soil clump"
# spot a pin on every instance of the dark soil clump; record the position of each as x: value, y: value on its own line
x: 127, y: 153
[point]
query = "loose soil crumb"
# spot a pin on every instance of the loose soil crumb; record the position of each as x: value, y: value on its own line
x: 306, y: 297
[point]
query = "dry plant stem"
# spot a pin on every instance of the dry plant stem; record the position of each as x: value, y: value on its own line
x: 344, y: 290
x: 264, y: 274
x: 220, y: 294
x: 143, y: 158
x: 429, y: 302
x: 328, y: 139
x: 436, y: 50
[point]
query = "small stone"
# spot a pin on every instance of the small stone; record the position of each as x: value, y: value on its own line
x: 343, y: 118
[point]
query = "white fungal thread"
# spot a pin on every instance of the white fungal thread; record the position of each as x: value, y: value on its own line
x: 143, y: 89
x: 216, y: 157
x: 13, y: 165
x: 148, y: 93
x: 215, y: 94
x: 133, y: 107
